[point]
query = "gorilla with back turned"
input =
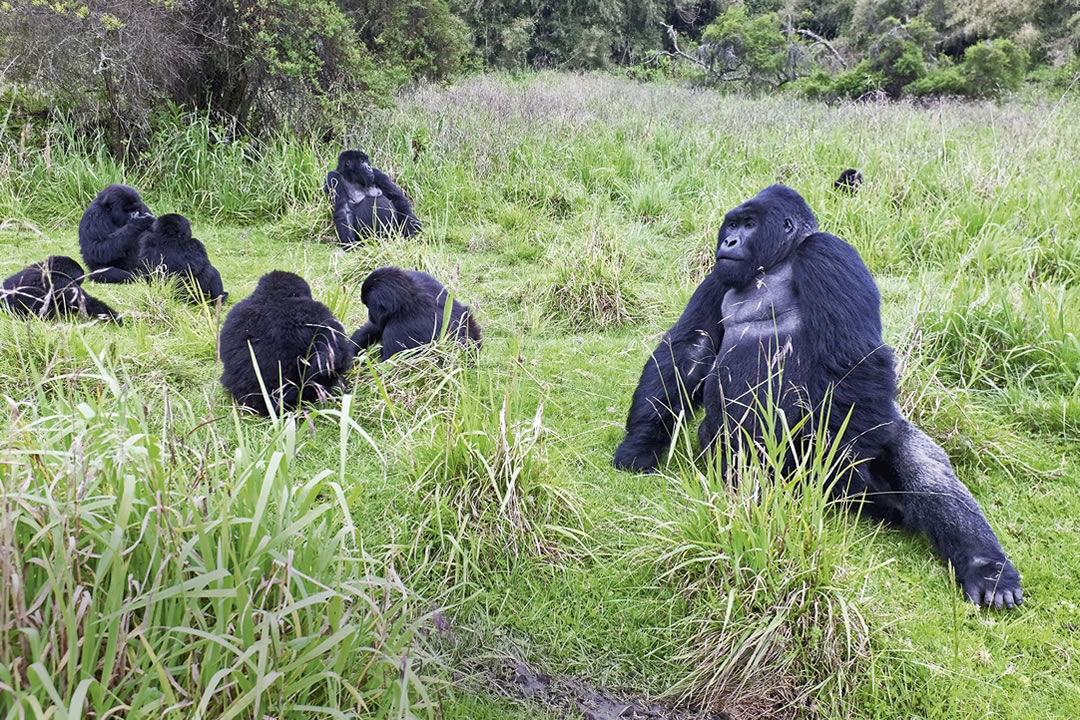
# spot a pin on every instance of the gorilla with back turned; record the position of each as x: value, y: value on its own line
x: 792, y: 314
x: 301, y: 350
x: 366, y: 201
x: 52, y: 289
x: 109, y: 233
x: 406, y: 309
x: 168, y: 247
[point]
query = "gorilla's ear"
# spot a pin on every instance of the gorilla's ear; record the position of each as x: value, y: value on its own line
x: 788, y: 225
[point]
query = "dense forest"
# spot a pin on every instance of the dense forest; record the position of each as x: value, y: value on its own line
x: 309, y: 65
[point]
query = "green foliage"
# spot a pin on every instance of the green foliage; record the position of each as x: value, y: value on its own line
x: 944, y: 79
x: 412, y: 39
x: 751, y: 47
x: 993, y: 67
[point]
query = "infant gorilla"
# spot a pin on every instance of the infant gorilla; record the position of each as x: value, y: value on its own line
x: 301, y: 351
x: 169, y: 248
x: 406, y: 310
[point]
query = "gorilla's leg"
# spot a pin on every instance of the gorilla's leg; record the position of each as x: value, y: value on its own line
x: 111, y: 275
x: 98, y: 309
x: 928, y: 497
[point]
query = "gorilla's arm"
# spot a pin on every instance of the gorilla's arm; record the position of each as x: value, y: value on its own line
x: 97, y: 309
x: 671, y: 383
x: 337, y: 189
x: 112, y: 259
x: 368, y: 334
x: 331, y: 354
x: 410, y: 225
x: 209, y: 282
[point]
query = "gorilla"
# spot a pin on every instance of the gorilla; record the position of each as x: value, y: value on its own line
x: 848, y: 182
x: 792, y: 314
x: 406, y: 310
x: 366, y: 201
x: 168, y: 247
x: 51, y: 289
x: 109, y: 233
x: 301, y: 349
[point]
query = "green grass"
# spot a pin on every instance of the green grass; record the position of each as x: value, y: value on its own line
x: 161, y: 556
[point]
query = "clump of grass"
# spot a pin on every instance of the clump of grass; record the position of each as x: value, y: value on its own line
x: 993, y: 336
x: 593, y: 289
x: 170, y: 571
x: 482, y: 484
x: 763, y: 557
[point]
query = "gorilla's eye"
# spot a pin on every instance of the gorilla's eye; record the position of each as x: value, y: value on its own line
x: 749, y: 223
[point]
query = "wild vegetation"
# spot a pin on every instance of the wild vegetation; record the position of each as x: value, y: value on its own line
x: 386, y: 553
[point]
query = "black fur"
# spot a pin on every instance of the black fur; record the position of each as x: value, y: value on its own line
x: 109, y: 233
x: 366, y: 201
x: 52, y: 289
x: 801, y: 322
x: 848, y: 182
x: 301, y: 348
x: 405, y: 310
x: 168, y: 247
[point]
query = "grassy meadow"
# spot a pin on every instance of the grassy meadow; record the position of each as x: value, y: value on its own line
x: 392, y: 554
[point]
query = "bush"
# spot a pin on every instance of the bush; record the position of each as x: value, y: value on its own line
x: 993, y: 67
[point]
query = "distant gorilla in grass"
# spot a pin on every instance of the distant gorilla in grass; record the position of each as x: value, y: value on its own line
x: 301, y: 349
x: 52, y: 289
x: 794, y: 315
x: 109, y: 233
x: 168, y: 247
x: 366, y: 201
x: 848, y: 182
x: 406, y: 310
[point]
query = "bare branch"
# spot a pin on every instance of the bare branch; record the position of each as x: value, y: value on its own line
x: 818, y: 39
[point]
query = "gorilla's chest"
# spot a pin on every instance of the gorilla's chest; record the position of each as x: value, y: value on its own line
x: 358, y: 195
x: 760, y: 322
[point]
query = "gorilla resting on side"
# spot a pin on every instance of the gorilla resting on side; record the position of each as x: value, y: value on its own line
x: 168, y: 247
x: 848, y: 182
x: 366, y: 201
x: 109, y: 233
x: 51, y: 289
x: 794, y: 311
x: 301, y: 348
x: 406, y: 309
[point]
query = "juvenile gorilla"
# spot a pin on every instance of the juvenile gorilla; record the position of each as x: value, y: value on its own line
x: 406, y: 309
x: 52, y: 289
x: 366, y: 201
x: 301, y: 349
x: 848, y: 182
x: 168, y: 247
x: 109, y: 233
x: 795, y: 315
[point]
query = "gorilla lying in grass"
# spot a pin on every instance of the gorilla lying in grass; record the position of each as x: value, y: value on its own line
x: 301, y: 350
x: 109, y: 233
x: 168, y: 248
x: 366, y: 201
x: 792, y: 315
x: 52, y: 289
x: 406, y: 309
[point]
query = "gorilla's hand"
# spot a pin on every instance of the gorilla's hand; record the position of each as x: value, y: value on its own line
x: 141, y: 221
x: 992, y: 583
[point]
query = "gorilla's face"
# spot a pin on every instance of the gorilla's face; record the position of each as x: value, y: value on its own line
x: 355, y: 167
x: 125, y: 205
x: 762, y: 233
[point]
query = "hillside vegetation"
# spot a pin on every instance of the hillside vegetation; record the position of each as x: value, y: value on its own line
x: 395, y: 553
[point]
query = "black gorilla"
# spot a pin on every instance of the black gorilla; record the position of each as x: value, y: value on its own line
x: 366, y: 201
x: 848, y: 182
x: 301, y: 348
x: 109, y: 233
x: 793, y: 312
x: 406, y: 309
x: 168, y: 247
x: 51, y: 289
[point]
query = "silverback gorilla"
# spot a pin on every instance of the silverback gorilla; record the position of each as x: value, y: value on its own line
x: 301, y: 348
x: 406, y: 309
x: 169, y: 248
x: 794, y: 312
x: 366, y: 201
x: 109, y: 233
x: 52, y: 289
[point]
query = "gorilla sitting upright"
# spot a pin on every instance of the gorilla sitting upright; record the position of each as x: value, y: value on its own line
x: 301, y: 350
x: 168, y: 247
x: 406, y: 310
x: 366, y: 201
x: 52, y: 289
x: 109, y: 233
x: 792, y: 315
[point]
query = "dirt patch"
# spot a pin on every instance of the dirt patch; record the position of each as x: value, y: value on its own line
x: 577, y: 699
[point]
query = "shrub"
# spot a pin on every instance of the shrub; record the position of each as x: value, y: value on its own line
x: 993, y: 67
